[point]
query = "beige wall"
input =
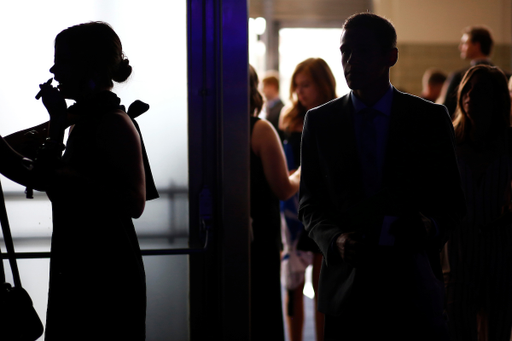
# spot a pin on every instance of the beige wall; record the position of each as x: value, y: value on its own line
x: 441, y: 21
x: 429, y: 33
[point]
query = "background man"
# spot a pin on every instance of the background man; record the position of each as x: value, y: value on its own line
x: 476, y: 46
x: 273, y: 103
x: 432, y: 84
x: 380, y: 191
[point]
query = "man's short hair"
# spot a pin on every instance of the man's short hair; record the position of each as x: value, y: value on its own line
x: 383, y: 28
x: 433, y: 77
x: 482, y: 35
x: 271, y: 78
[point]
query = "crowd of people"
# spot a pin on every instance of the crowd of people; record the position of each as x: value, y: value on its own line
x: 401, y: 205
x: 404, y: 203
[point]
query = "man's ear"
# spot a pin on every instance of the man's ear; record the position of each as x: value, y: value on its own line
x: 393, y: 56
x: 478, y: 45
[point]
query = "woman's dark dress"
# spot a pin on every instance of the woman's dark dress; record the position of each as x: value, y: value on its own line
x: 97, y: 281
x: 478, y: 256
x: 266, y: 309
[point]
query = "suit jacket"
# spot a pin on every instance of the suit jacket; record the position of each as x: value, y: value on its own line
x: 420, y: 171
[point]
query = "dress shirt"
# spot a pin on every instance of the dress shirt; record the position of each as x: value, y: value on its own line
x: 381, y: 125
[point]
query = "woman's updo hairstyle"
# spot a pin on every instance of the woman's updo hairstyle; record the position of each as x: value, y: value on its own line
x: 99, y: 49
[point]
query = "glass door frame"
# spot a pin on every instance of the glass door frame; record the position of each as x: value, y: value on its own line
x: 219, y: 192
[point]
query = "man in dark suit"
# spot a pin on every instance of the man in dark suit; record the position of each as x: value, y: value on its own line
x: 380, y: 192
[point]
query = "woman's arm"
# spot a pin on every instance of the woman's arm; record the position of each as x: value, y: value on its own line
x: 16, y: 167
x: 121, y: 141
x: 28, y: 141
x: 18, y: 151
x: 265, y: 144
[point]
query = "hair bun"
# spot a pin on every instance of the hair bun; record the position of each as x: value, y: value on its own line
x: 123, y: 71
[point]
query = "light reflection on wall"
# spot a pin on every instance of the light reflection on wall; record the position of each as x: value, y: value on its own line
x: 298, y: 44
x: 153, y: 34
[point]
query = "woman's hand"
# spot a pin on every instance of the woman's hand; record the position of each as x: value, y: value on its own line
x: 52, y: 100
x: 57, y: 108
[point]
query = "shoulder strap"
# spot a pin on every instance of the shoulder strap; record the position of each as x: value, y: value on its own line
x: 136, y: 109
x: 4, y: 221
x: 252, y: 122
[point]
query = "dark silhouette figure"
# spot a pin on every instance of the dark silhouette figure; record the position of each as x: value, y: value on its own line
x: 312, y: 84
x: 380, y: 192
x: 97, y: 282
x: 478, y: 257
x: 270, y: 182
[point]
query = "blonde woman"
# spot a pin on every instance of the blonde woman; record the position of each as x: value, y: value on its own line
x: 312, y: 84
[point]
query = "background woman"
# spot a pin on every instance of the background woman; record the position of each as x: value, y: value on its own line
x: 313, y: 84
x: 270, y: 182
x: 478, y: 264
x: 97, y: 283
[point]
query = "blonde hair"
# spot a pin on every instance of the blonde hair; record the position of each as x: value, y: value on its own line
x: 323, y: 78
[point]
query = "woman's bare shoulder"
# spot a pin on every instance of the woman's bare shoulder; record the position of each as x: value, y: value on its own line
x: 263, y: 135
x: 116, y: 125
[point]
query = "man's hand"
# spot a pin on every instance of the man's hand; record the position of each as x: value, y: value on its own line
x: 351, y: 247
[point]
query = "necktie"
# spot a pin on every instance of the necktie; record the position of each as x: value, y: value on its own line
x: 369, y: 164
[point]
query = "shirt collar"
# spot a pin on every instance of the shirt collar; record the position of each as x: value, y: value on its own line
x: 480, y: 61
x: 273, y: 102
x: 383, y: 105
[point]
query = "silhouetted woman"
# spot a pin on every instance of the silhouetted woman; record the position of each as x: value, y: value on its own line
x: 270, y: 182
x: 97, y: 282
x: 312, y: 84
x: 478, y: 264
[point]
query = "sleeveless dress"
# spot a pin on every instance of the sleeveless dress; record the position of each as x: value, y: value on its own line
x: 266, y: 308
x: 97, y: 280
x: 477, y: 261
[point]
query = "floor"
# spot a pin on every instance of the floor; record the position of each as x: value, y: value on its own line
x: 309, y: 306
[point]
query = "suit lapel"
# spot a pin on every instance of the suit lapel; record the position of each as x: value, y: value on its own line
x: 347, y: 166
x: 397, y: 160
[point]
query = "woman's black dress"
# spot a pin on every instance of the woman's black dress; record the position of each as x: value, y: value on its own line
x: 97, y: 280
x: 266, y: 306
